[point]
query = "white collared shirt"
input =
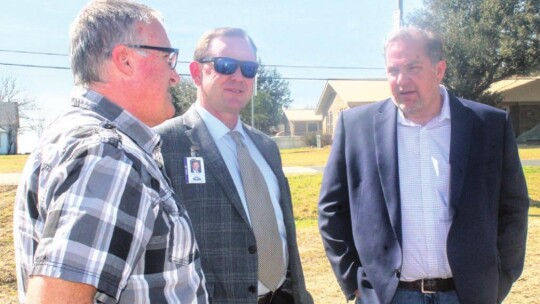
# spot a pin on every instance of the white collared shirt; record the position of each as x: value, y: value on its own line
x: 424, y: 181
x: 227, y: 147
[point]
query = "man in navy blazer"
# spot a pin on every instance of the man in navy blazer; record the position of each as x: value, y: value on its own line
x: 223, y: 70
x: 423, y: 197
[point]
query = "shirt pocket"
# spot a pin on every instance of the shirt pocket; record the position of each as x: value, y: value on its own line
x: 182, y: 247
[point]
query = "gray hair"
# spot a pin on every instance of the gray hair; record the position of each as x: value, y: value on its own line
x: 433, y: 45
x: 98, y: 28
x: 201, y: 49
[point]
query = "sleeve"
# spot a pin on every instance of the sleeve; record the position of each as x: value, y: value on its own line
x: 513, y: 215
x: 335, y: 216
x: 97, y: 220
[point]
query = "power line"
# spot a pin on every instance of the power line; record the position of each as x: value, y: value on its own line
x: 35, y: 53
x: 268, y: 65
x: 322, y: 67
x: 34, y: 66
x: 183, y: 75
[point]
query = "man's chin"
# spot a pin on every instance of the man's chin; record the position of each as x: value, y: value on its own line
x: 237, y: 105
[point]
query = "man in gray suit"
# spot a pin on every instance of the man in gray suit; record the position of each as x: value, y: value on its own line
x: 224, y: 70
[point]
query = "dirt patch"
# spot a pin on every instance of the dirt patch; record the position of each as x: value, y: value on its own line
x: 322, y: 285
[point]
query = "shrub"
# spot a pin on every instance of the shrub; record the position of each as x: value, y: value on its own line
x: 311, y: 139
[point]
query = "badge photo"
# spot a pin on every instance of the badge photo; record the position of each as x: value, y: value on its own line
x: 194, y: 167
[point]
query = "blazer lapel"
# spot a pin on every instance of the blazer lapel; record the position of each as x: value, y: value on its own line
x: 264, y: 148
x: 199, y: 135
x: 385, y: 133
x: 460, y: 143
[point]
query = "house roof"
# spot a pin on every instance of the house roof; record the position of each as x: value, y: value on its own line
x: 519, y: 89
x: 353, y: 92
x: 301, y: 115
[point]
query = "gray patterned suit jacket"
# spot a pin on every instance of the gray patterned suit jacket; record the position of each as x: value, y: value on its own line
x: 224, y: 235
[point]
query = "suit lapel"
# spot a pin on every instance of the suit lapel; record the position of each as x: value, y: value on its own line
x: 385, y: 133
x: 214, y: 164
x: 265, y: 149
x: 460, y: 144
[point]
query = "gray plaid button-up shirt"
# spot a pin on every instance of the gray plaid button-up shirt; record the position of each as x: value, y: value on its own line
x: 94, y: 207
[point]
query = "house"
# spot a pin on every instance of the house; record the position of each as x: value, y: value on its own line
x: 299, y: 122
x: 520, y: 98
x: 9, y: 125
x: 339, y: 95
x: 295, y: 125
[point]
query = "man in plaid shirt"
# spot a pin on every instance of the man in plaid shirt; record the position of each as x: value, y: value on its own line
x: 96, y: 220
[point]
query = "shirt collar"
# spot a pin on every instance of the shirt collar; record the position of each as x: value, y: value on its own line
x: 124, y: 121
x: 215, y: 126
x: 444, y: 115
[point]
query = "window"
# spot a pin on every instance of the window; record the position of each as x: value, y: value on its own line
x: 312, y: 127
x: 299, y: 128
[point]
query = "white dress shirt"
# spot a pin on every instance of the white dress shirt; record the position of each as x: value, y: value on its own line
x: 227, y: 148
x: 424, y: 181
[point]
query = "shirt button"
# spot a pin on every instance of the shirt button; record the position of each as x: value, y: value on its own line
x: 252, y: 289
x: 252, y: 249
x: 108, y: 125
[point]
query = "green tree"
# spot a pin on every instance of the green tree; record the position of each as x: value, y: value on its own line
x: 485, y: 41
x: 273, y: 95
x: 184, y: 95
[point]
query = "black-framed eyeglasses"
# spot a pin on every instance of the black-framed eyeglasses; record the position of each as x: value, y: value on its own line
x: 228, y: 66
x: 173, y: 52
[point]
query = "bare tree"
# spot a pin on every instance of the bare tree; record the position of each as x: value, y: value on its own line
x: 15, y: 111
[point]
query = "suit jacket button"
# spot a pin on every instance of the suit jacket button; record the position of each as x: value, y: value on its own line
x: 398, y: 273
x: 252, y: 249
x: 252, y: 289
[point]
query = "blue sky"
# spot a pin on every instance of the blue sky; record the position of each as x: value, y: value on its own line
x: 340, y: 33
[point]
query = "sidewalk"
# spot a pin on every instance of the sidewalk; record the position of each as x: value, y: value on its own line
x: 302, y: 170
x: 13, y: 178
x: 9, y: 178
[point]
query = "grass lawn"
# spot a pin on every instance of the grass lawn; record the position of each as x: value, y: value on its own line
x: 320, y: 279
x: 12, y: 163
x: 305, y: 157
x: 529, y: 152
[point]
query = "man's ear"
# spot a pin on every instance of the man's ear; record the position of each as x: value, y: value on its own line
x: 195, y: 69
x: 441, y: 69
x: 121, y: 59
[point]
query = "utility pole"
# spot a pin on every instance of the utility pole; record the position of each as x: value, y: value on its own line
x: 398, y: 15
x: 253, y: 102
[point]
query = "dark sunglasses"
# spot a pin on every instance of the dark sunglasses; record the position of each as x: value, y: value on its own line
x: 227, y: 66
x: 173, y: 53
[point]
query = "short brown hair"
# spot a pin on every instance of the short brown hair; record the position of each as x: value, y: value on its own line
x: 98, y: 28
x: 203, y: 44
x: 433, y: 45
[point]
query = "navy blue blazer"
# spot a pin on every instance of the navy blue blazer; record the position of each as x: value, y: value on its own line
x: 359, y: 204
